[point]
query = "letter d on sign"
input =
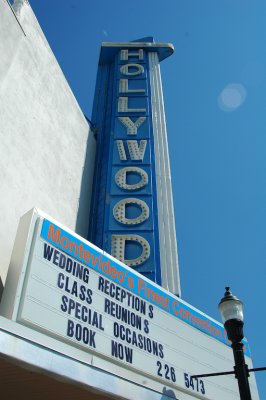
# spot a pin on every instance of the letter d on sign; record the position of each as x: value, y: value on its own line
x: 119, y: 243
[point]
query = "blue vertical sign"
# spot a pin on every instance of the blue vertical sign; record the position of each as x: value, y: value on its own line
x: 124, y: 212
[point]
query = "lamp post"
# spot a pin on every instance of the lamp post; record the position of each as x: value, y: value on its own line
x: 231, y: 309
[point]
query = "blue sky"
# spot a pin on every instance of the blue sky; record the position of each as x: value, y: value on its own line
x: 215, y: 102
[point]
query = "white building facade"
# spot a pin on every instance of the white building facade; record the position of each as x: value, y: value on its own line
x: 61, y: 334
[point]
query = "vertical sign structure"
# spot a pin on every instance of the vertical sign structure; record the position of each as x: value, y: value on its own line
x: 132, y: 214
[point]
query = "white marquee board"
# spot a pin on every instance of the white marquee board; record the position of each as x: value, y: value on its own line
x: 63, y: 286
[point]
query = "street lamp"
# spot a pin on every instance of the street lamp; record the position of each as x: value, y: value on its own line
x: 231, y: 309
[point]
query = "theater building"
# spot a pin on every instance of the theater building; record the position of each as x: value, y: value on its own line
x: 91, y: 303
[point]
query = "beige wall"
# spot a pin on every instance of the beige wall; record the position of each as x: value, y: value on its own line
x: 45, y: 139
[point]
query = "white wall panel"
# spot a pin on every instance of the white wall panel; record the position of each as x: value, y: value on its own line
x: 44, y: 135
x: 167, y: 233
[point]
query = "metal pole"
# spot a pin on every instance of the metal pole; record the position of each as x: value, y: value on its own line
x: 241, y: 371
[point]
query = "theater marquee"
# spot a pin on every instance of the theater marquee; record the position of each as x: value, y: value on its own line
x: 65, y: 287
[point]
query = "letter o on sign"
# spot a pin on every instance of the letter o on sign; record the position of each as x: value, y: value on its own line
x: 138, y: 69
x: 119, y: 211
x: 121, y: 178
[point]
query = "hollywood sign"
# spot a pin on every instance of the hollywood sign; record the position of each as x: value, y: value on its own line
x: 132, y: 150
